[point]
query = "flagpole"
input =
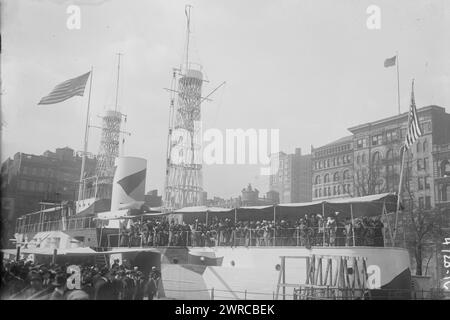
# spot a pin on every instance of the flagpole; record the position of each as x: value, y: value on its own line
x: 401, y: 176
x: 398, y: 84
x: 86, y: 138
x: 399, y: 193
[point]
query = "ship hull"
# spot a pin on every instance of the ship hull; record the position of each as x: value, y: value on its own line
x: 253, y: 273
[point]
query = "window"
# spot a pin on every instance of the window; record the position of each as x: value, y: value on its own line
x: 419, y: 164
x: 325, y: 192
x: 376, y: 140
x: 336, y: 176
x: 346, y: 175
x: 320, y: 193
x: 390, y: 154
x: 427, y: 202
x: 334, y: 190
x: 315, y: 193
x: 358, y: 159
x: 31, y: 185
x: 391, y: 135
x: 326, y: 178
x: 329, y: 191
x: 427, y: 183
x: 318, y: 180
x: 363, y: 158
x: 320, y: 164
x: 344, y: 160
x: 376, y: 158
x: 361, y: 143
x: 334, y: 161
x: 421, y: 204
x: 339, y: 190
x: 425, y: 164
x: 420, y: 183
x: 328, y: 163
x: 425, y: 145
x: 23, y: 184
x: 418, y: 147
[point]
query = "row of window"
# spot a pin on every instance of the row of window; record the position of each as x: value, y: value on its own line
x: 333, y: 162
x: 335, y: 191
x: 29, y: 185
x: 39, y: 172
x: 333, y: 150
x: 392, y: 136
x: 336, y: 177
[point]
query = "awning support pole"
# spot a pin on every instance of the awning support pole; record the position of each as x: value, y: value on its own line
x: 353, y: 224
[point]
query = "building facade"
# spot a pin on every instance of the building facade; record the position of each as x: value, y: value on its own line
x: 378, y: 151
x: 292, y: 181
x: 441, y: 163
x: 30, y: 179
x: 332, y: 172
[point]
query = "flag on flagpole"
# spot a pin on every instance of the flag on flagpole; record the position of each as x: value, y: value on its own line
x: 66, y: 90
x: 414, y: 131
x: 390, y: 62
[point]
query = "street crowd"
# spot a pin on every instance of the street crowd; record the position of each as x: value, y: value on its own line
x: 25, y: 280
x: 308, y: 231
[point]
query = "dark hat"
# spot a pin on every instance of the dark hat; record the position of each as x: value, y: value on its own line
x: 60, y: 280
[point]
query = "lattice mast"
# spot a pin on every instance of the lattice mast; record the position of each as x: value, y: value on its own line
x: 184, y: 185
x: 109, y: 145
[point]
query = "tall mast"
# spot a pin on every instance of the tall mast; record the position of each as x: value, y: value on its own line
x: 187, y: 11
x: 117, y: 85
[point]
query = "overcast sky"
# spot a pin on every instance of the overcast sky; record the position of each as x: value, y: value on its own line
x: 309, y: 68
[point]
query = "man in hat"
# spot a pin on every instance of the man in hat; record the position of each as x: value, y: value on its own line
x: 60, y: 287
x: 35, y: 287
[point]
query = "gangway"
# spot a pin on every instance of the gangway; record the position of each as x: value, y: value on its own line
x: 345, y: 278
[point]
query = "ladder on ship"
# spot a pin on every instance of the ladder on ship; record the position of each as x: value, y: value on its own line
x: 345, y: 278
x: 101, y: 260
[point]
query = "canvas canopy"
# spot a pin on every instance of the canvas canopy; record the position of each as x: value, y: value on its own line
x: 370, y: 206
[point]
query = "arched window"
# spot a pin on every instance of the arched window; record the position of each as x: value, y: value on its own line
x: 425, y: 145
x: 339, y: 190
x: 390, y: 154
x: 326, y: 178
x: 445, y: 168
x: 318, y: 180
x: 336, y: 176
x: 376, y: 158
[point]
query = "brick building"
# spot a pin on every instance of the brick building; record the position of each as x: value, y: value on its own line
x: 378, y: 153
x: 293, y: 179
x: 332, y: 175
x: 52, y: 177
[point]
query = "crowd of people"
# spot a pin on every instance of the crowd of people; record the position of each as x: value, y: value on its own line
x: 311, y: 230
x: 25, y: 280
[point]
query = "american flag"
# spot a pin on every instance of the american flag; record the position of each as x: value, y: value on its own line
x: 66, y: 90
x: 414, y: 131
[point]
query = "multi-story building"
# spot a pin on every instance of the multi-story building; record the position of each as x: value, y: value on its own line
x: 292, y: 181
x: 332, y: 173
x: 30, y: 179
x: 378, y: 150
x: 441, y: 163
